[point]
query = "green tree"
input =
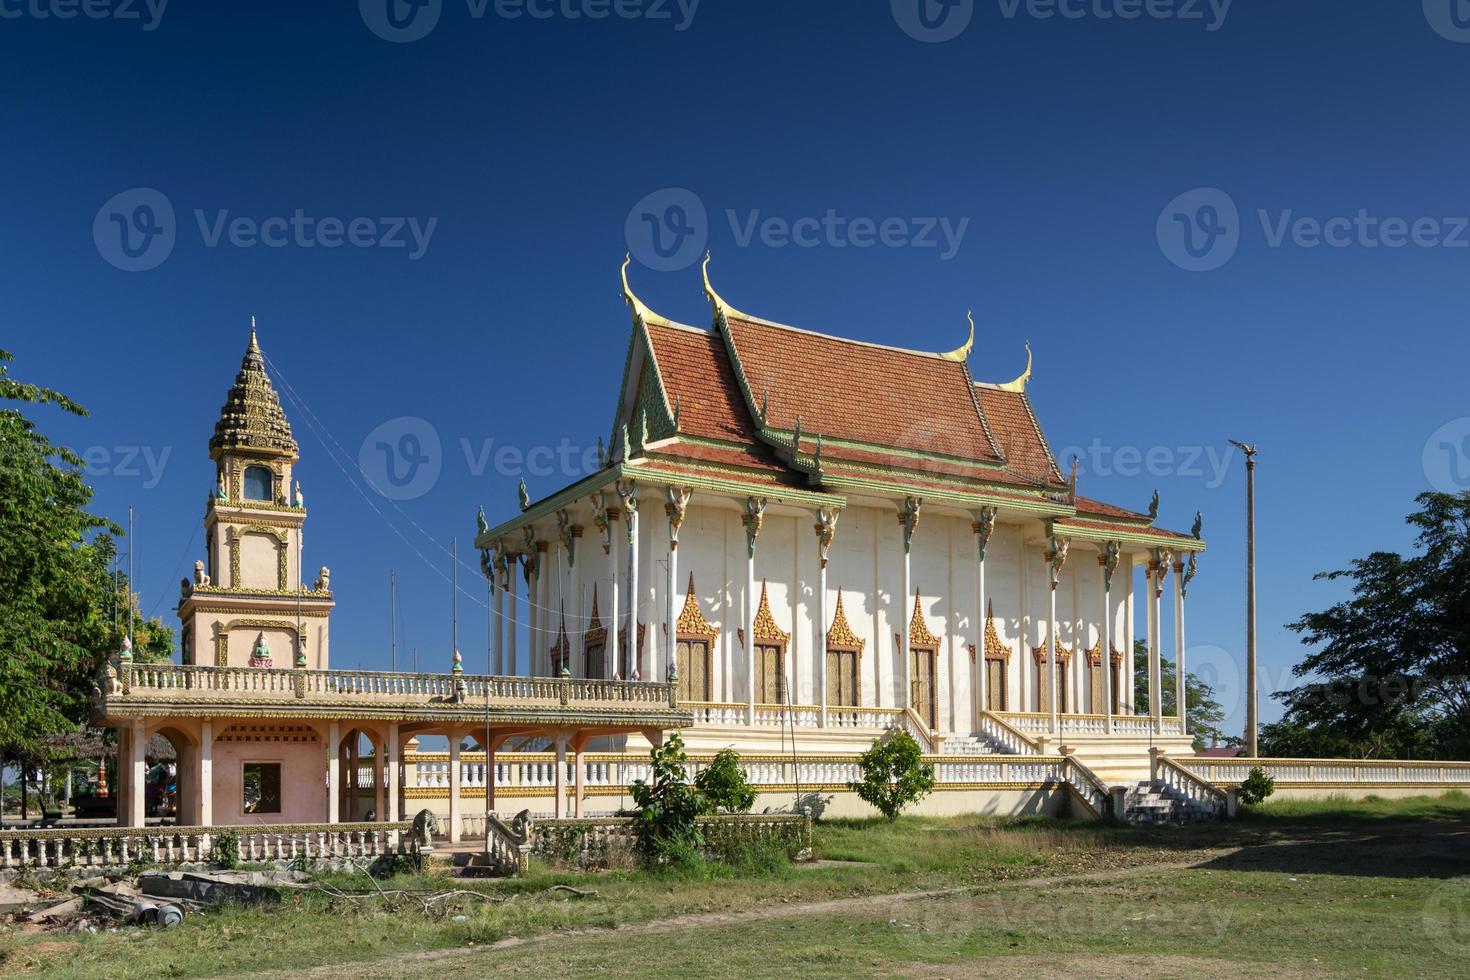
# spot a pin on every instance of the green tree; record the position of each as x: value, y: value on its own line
x: 895, y: 774
x: 57, y: 593
x: 723, y: 785
x: 1205, y: 713
x: 666, y: 825
x: 1391, y: 663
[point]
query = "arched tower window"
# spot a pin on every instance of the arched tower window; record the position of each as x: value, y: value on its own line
x: 259, y: 483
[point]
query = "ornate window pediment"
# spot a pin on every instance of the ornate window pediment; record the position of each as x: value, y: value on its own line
x: 691, y: 621
x: 920, y: 635
x: 841, y: 636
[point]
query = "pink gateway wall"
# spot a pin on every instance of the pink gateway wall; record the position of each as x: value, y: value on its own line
x: 303, y: 781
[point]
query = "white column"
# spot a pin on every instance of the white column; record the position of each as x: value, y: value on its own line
x: 511, y: 601
x: 137, y: 776
x: 560, y: 781
x: 628, y: 492
x: 391, y: 778
x: 1108, y: 562
x: 1055, y: 559
x: 1129, y: 699
x: 206, y: 773
x: 1156, y: 571
x: 1179, y: 685
x: 579, y: 791
x: 542, y: 617
x: 675, y: 508
x: 497, y: 619
x: 983, y: 528
x: 826, y: 528
x: 576, y: 655
x: 755, y: 514
x: 454, y: 784
x: 611, y: 667
x: 908, y: 517
x: 334, y: 773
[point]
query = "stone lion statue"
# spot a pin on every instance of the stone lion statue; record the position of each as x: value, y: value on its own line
x: 425, y: 826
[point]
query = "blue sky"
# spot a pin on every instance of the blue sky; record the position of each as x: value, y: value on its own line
x: 1309, y: 159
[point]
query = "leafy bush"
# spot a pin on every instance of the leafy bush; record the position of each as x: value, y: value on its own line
x: 723, y: 785
x: 664, y: 824
x: 225, y: 851
x: 1257, y: 787
x: 895, y: 774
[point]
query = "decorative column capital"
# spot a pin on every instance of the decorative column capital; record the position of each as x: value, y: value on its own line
x: 1112, y: 552
x: 1158, y: 570
x: 628, y: 494
x: 908, y: 516
x: 1056, y: 557
x: 675, y: 507
x: 984, y: 527
x: 752, y: 519
x: 1189, y: 572
x: 826, y: 528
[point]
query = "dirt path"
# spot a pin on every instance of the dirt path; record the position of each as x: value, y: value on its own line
x: 397, y: 965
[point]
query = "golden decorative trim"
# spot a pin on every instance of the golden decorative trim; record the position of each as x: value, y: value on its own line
x: 306, y: 612
x: 841, y: 634
x: 919, y: 634
x: 1063, y: 654
x: 1019, y: 385
x: 994, y: 649
x: 962, y: 353
x: 764, y: 627
x: 691, y: 620
x: 1094, y: 656
x: 596, y: 632
x: 252, y: 420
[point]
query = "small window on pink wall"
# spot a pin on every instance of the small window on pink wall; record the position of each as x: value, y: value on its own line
x: 261, y: 787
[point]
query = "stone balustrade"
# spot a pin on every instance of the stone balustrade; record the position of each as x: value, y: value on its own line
x: 110, y: 847
x: 1039, y: 723
x: 1329, y: 773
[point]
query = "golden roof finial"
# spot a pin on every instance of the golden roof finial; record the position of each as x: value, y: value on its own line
x: 963, y: 353
x: 254, y: 345
x: 715, y: 298
x: 640, y: 310
x: 1019, y: 385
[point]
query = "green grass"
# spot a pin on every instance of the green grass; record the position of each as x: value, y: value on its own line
x: 1294, y: 889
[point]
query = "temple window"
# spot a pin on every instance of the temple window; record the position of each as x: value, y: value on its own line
x: 694, y: 668
x: 770, y: 674
x: 262, y: 787
x: 924, y: 698
x: 259, y: 483
x: 842, y: 678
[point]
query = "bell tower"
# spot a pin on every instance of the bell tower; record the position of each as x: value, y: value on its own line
x: 250, y: 604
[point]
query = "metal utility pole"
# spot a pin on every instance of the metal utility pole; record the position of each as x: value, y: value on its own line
x: 1251, y: 725
x: 393, y: 620
x: 132, y: 546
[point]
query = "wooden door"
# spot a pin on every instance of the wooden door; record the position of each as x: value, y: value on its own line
x: 595, y: 666
x: 842, y: 678
x: 995, y: 685
x: 925, y: 695
x: 1043, y: 693
x: 694, y: 672
x: 769, y: 688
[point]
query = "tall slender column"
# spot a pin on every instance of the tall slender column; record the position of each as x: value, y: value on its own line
x: 354, y: 778
x: 380, y: 780
x: 511, y: 665
x: 454, y: 783
x: 1182, y: 576
x: 497, y: 632
x: 334, y: 773
x: 628, y: 493
x: 1112, y: 551
x: 826, y: 528
x: 1158, y: 568
x: 137, y: 776
x: 612, y: 667
x: 1130, y: 659
x: 908, y: 518
x: 206, y: 773
x: 675, y: 507
x: 754, y: 517
x: 573, y: 545
x: 545, y: 621
x: 579, y: 778
x: 392, y: 776
x: 559, y: 782
x: 983, y: 527
x: 1056, y: 557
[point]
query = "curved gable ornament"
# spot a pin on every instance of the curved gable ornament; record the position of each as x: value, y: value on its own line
x: 691, y: 621
x: 994, y: 648
x: 919, y: 633
x: 841, y: 635
x: 1094, y: 656
x: 766, y: 630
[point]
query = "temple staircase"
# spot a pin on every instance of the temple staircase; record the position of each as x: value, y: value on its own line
x: 1154, y: 804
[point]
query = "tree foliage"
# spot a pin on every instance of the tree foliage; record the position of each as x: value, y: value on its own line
x: 666, y: 825
x: 1256, y: 787
x: 57, y: 593
x: 1205, y: 713
x: 895, y: 774
x: 1391, y: 663
x: 723, y: 786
